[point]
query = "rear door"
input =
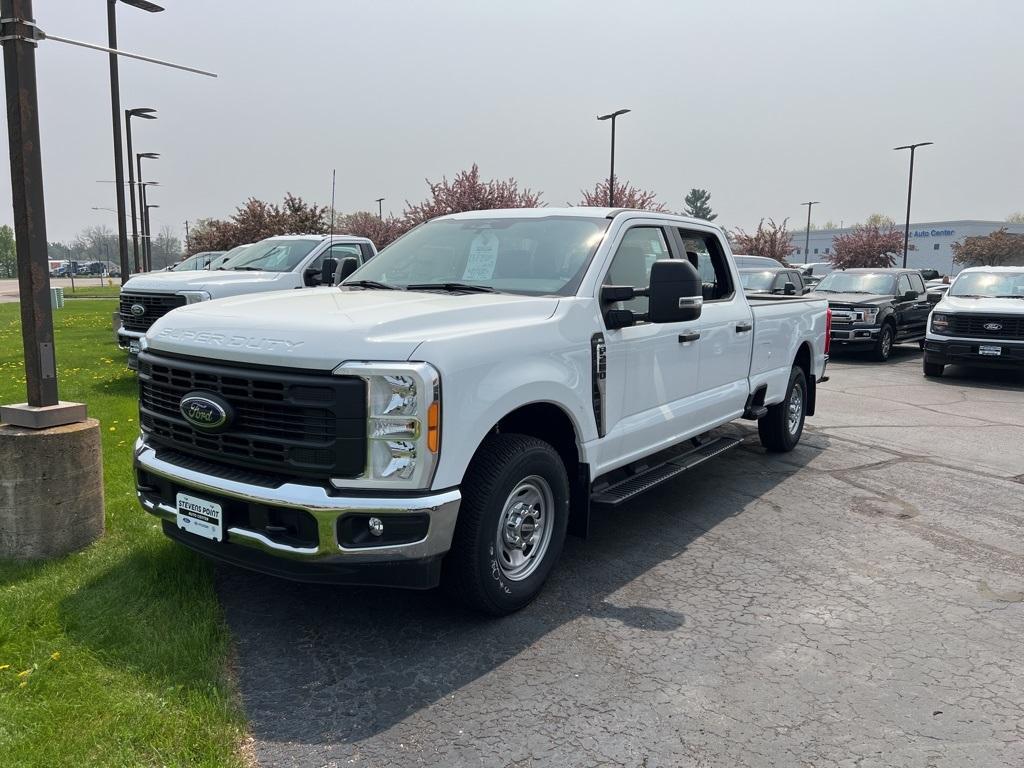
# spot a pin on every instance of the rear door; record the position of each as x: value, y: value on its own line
x: 726, y: 330
x: 907, y: 312
x: 922, y: 307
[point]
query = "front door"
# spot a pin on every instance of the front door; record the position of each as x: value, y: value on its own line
x: 653, y: 369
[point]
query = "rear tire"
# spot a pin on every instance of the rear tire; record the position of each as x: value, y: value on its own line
x: 933, y: 370
x: 780, y: 429
x: 511, y: 526
x: 883, y: 347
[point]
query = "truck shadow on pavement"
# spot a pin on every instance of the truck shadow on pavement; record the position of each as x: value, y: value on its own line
x: 332, y: 665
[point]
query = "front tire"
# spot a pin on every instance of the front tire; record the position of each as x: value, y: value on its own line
x: 933, y: 370
x: 511, y: 526
x: 780, y: 429
x: 883, y: 347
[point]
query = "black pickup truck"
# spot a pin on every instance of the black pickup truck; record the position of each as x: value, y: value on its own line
x: 873, y: 309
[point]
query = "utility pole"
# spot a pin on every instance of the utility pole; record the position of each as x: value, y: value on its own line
x: 910, y: 191
x: 380, y: 207
x: 18, y: 31
x: 807, y: 239
x: 186, y: 236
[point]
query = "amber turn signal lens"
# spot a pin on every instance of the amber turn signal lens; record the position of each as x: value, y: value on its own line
x: 434, y: 426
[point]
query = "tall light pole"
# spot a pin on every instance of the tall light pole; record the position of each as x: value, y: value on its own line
x: 146, y: 113
x: 910, y: 191
x: 380, y: 207
x: 807, y: 239
x: 145, y: 222
x: 115, y: 113
x: 148, y: 250
x: 611, y: 176
x: 142, y: 197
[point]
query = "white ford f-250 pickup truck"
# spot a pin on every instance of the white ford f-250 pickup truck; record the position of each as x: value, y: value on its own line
x: 274, y: 264
x: 461, y: 401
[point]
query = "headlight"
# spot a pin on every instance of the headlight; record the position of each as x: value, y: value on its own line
x: 403, y: 424
x: 869, y: 314
x: 940, y: 322
x: 193, y: 297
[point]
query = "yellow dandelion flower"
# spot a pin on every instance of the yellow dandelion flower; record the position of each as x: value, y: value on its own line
x: 4, y: 666
x: 55, y: 655
x: 24, y: 673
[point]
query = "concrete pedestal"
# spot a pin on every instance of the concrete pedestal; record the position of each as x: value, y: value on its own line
x: 51, y: 490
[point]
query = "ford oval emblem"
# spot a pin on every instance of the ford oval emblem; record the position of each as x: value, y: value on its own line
x: 205, y: 411
x: 138, y: 310
x: 993, y: 326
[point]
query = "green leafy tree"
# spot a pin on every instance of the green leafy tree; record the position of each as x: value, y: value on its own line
x: 8, y: 256
x: 698, y: 205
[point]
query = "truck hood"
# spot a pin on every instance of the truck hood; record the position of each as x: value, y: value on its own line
x: 319, y: 328
x: 862, y: 299
x: 983, y: 306
x: 216, y: 282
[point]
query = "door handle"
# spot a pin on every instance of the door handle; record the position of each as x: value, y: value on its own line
x: 744, y: 327
x: 685, y: 337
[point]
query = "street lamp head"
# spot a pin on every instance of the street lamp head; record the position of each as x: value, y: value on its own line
x: 914, y: 146
x: 144, y: 5
x: 811, y: 202
x: 146, y: 113
x: 151, y: 155
x: 616, y: 113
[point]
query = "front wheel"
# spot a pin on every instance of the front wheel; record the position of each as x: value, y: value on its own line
x: 512, y: 523
x: 781, y: 427
x: 883, y: 347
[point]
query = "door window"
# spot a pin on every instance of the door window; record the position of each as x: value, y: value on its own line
x: 902, y: 285
x: 918, y: 283
x: 706, y: 254
x: 639, y: 249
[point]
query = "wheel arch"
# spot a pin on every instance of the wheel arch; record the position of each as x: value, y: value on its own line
x: 803, y: 360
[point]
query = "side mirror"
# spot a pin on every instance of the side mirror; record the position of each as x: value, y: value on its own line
x: 789, y: 289
x: 934, y: 298
x: 807, y: 289
x: 327, y: 271
x: 348, y: 265
x: 909, y: 296
x: 619, y: 318
x: 676, y: 292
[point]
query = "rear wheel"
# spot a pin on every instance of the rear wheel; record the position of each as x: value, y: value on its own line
x: 933, y: 370
x: 883, y: 346
x: 512, y: 523
x: 781, y: 427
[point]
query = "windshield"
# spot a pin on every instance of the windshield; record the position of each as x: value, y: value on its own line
x: 277, y: 255
x: 756, y: 281
x: 858, y: 282
x: 224, y: 258
x: 195, y: 262
x: 533, y: 256
x: 992, y: 284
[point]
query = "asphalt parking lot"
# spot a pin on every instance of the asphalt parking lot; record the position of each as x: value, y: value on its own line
x: 858, y: 602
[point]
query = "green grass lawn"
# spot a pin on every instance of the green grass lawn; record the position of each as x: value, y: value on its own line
x: 93, y: 290
x: 116, y: 655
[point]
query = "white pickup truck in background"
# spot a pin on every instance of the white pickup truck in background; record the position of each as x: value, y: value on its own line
x: 462, y: 400
x: 273, y: 264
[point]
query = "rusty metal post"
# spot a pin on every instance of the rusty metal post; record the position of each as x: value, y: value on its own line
x: 27, y: 194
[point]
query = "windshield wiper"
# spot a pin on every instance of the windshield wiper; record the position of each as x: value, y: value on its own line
x: 247, y: 269
x: 1010, y: 296
x: 823, y: 290
x: 371, y: 284
x: 464, y: 287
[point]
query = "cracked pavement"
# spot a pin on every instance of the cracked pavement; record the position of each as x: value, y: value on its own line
x: 858, y: 602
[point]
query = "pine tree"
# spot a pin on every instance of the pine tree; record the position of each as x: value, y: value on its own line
x: 698, y: 205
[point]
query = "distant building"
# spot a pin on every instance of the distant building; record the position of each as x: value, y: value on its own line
x: 931, y: 243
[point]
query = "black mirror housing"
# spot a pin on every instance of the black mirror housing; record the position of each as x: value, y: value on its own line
x: 328, y: 270
x: 934, y: 298
x: 789, y: 289
x: 348, y: 265
x: 676, y: 292
x: 909, y: 296
x: 613, y: 293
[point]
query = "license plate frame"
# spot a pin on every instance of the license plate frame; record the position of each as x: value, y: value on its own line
x: 990, y: 350
x: 134, y: 347
x: 200, y: 517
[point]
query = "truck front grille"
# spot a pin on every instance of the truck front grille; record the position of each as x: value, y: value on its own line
x: 1009, y: 327
x: 293, y: 424
x: 154, y: 306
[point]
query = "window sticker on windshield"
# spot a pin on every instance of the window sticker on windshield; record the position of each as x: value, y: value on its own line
x: 483, y: 256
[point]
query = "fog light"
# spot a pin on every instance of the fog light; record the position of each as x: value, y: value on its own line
x: 376, y: 526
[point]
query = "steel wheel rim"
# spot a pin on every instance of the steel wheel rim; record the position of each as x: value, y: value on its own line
x: 524, y: 528
x: 796, y: 408
x: 886, y: 342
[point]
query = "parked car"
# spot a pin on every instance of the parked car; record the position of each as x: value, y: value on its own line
x: 219, y: 261
x: 756, y: 262
x: 464, y: 398
x: 817, y: 269
x: 777, y: 280
x: 274, y: 264
x: 979, y: 321
x: 873, y: 309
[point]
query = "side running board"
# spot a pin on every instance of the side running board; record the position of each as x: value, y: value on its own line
x: 621, y: 491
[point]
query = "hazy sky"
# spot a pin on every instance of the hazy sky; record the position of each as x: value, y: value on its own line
x: 766, y: 104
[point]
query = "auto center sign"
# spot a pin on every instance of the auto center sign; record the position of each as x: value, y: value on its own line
x: 932, y: 232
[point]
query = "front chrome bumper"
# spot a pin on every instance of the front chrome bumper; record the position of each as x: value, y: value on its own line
x: 442, y: 508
